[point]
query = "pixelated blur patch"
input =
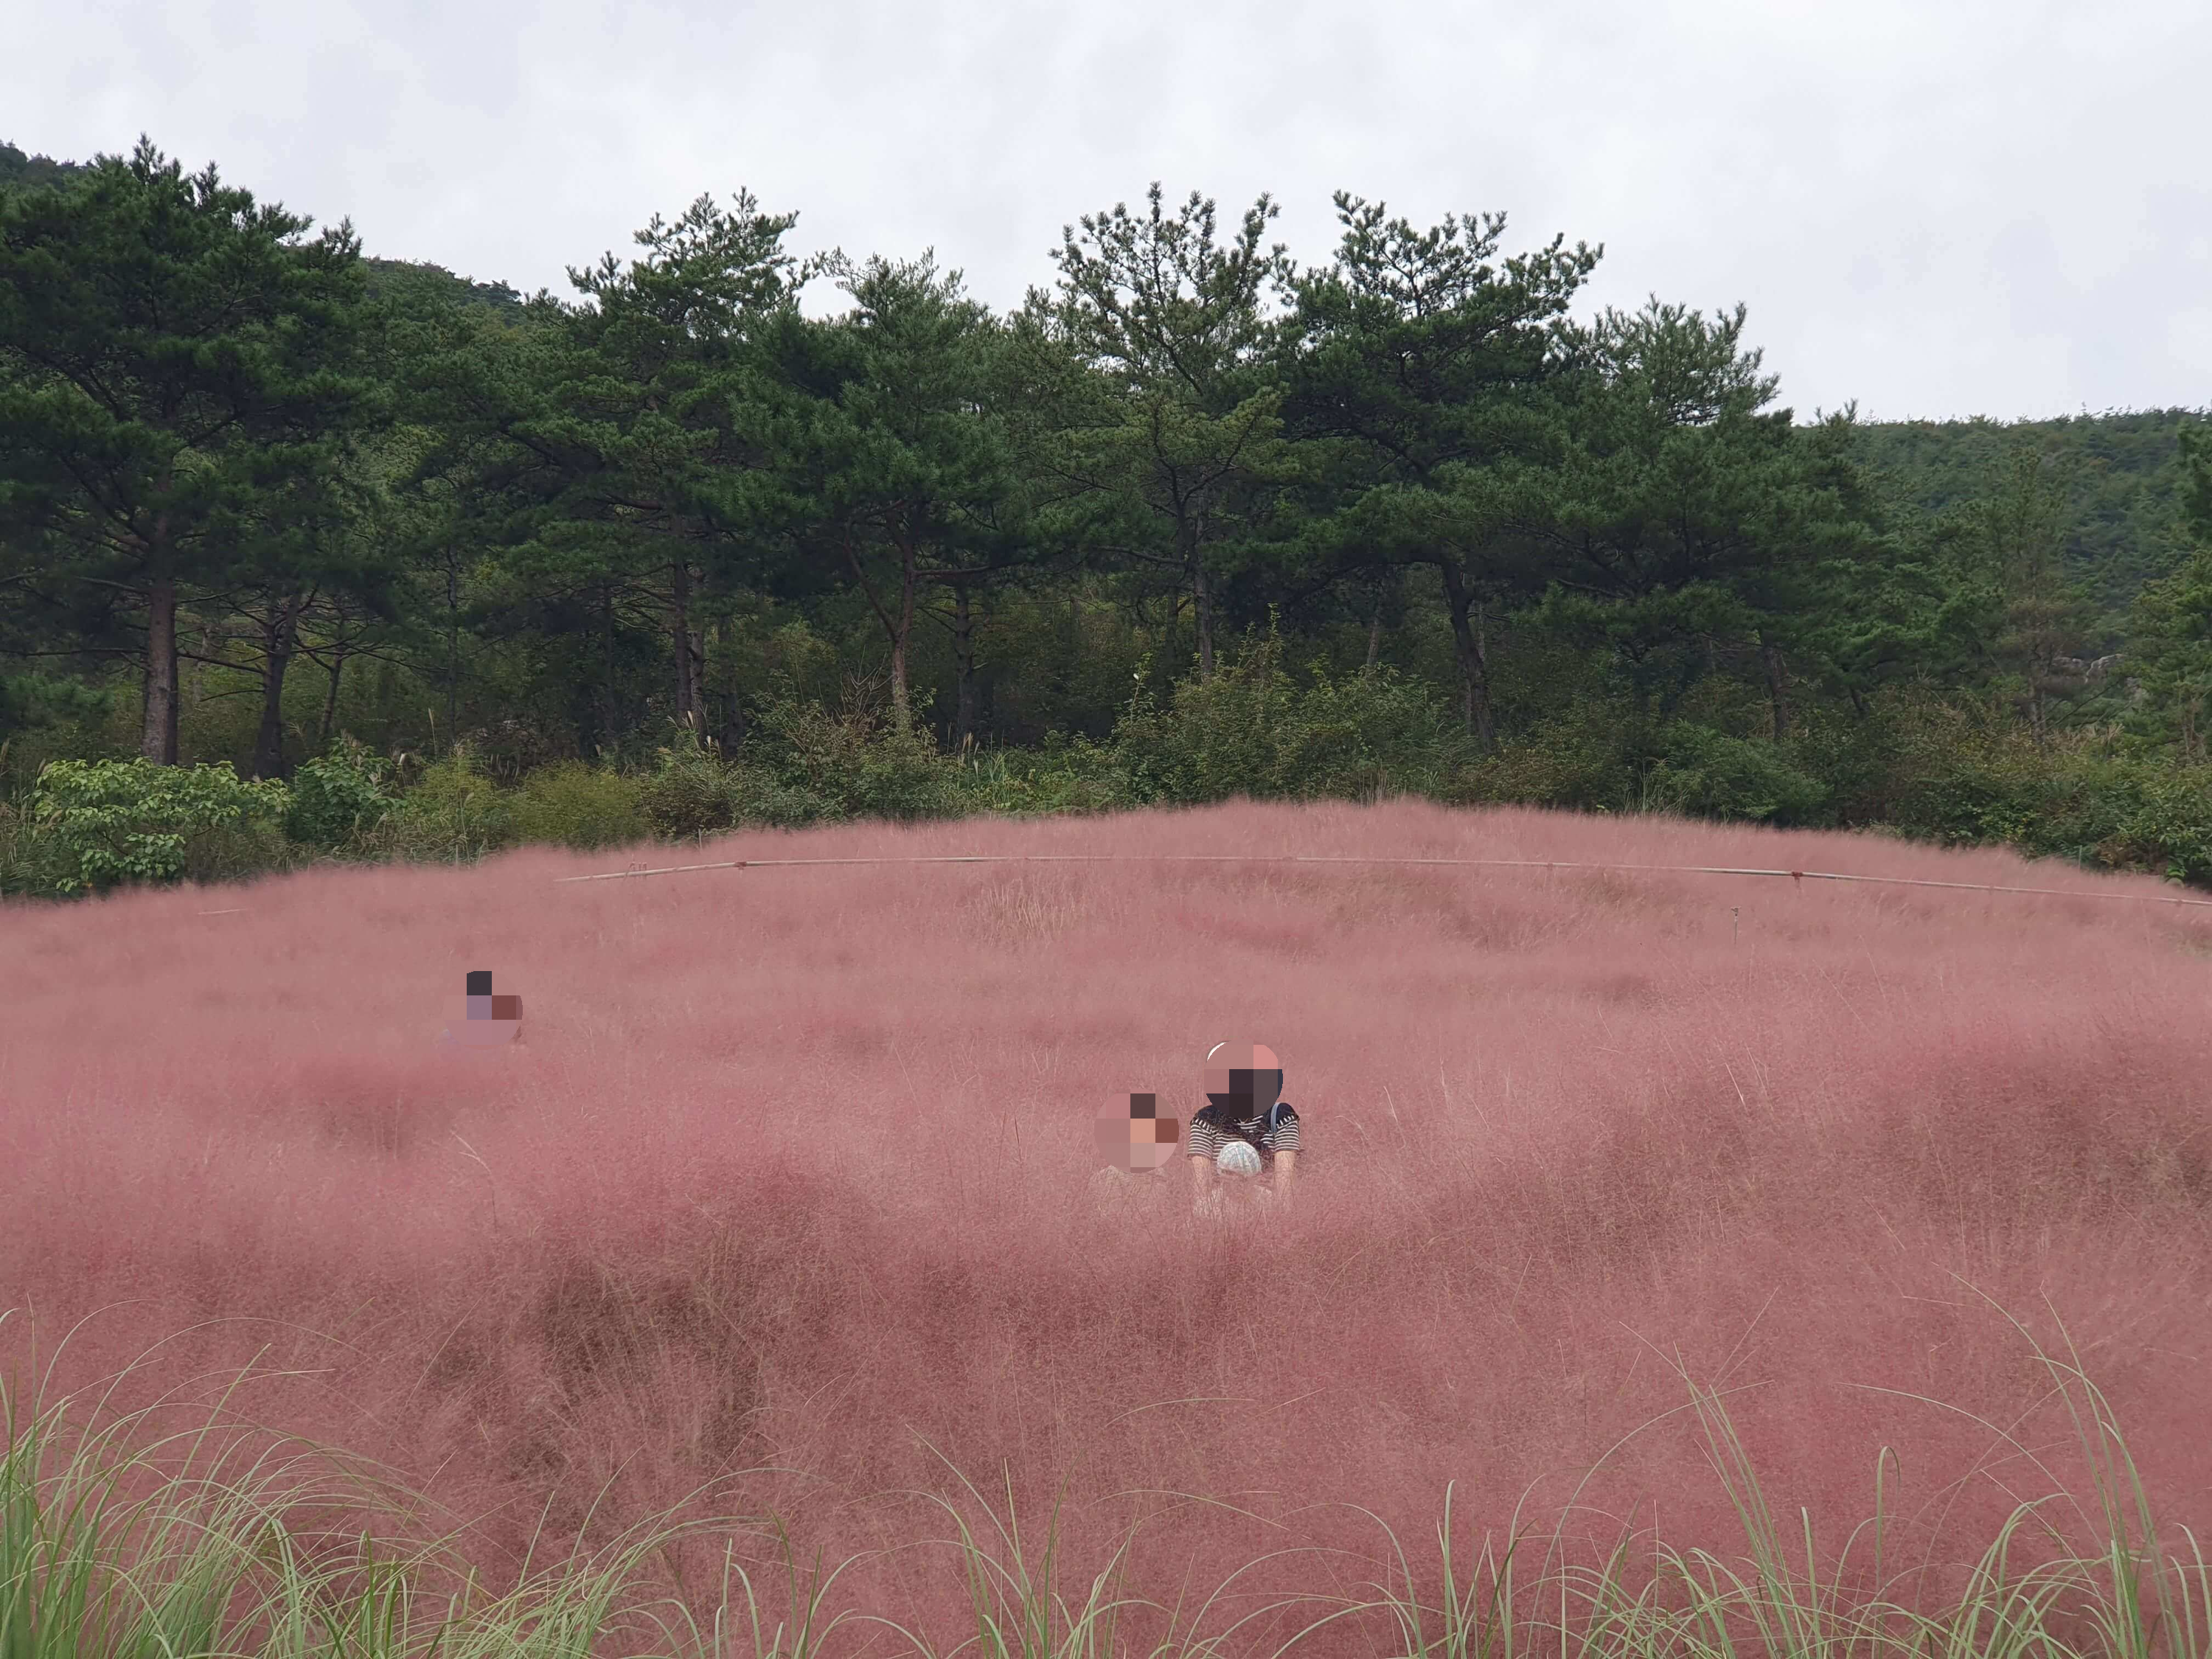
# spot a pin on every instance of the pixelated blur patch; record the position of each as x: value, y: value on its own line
x: 1245, y: 1074
x: 1131, y: 1135
x: 487, y: 1021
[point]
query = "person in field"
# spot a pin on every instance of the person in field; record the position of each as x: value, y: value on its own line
x: 1136, y: 1143
x: 487, y: 1023
x: 1243, y: 1084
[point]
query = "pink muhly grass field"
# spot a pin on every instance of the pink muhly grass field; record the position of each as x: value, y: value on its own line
x: 790, y: 1192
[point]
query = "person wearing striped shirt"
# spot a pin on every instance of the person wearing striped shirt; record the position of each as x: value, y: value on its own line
x: 1243, y: 1084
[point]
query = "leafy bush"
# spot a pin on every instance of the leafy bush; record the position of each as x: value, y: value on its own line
x: 338, y: 796
x: 569, y: 803
x: 1066, y: 775
x: 43, y: 718
x: 1711, y: 774
x: 32, y: 863
x: 113, y: 822
x: 2163, y: 824
x: 453, y: 811
x: 1595, y: 759
x: 694, y: 793
x: 1252, y: 731
x: 240, y: 852
x: 1370, y: 734
x: 1961, y: 776
x: 689, y: 793
x: 853, y: 762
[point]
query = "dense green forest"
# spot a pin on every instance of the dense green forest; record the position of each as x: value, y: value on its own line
x: 445, y: 565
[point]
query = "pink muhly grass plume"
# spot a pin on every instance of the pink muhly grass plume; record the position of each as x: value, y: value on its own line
x: 786, y: 1203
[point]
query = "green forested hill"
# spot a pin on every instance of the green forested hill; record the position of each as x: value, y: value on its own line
x: 18, y: 168
x: 2121, y: 473
x: 402, y: 279
x: 418, y: 281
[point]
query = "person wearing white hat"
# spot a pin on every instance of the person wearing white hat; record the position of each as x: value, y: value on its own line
x: 1244, y: 1134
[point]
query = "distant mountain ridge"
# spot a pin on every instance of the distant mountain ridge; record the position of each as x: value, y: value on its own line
x: 18, y: 168
x: 2121, y: 471
x: 418, y: 281
x: 413, y: 280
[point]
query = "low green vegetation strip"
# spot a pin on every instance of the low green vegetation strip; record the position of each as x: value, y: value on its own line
x: 1921, y: 768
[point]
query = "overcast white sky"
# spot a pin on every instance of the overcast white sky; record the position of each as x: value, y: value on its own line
x: 1937, y: 207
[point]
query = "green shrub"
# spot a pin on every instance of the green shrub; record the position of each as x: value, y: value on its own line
x: 32, y: 863
x: 113, y: 822
x: 240, y: 852
x: 691, y: 793
x: 852, y: 763
x: 453, y: 812
x: 1594, y: 759
x: 569, y: 803
x: 694, y: 793
x: 1066, y: 775
x: 1961, y: 775
x: 1252, y: 731
x: 1370, y: 734
x: 759, y: 796
x: 43, y: 718
x: 1711, y: 774
x: 338, y: 796
x: 2165, y: 827
x: 1212, y: 739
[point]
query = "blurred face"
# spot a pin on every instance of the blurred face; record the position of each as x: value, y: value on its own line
x: 1243, y: 1078
x: 487, y: 1021
x: 1133, y: 1136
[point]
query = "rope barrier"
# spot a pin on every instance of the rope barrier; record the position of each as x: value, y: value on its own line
x: 1799, y: 875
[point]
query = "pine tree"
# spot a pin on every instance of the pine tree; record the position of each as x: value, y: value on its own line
x: 1181, y: 424
x: 1426, y: 363
x: 174, y: 358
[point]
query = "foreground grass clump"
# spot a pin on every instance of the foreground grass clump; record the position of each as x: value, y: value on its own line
x: 787, y: 1205
x: 117, y: 1544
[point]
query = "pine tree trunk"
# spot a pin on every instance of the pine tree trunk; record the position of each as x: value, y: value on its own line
x: 1375, y: 632
x: 902, y: 710
x: 732, y: 729
x: 452, y: 646
x: 696, y: 656
x: 608, y: 705
x: 331, y: 698
x: 1472, y: 650
x: 687, y: 712
x: 280, y: 639
x: 1482, y: 676
x: 964, y: 653
x: 158, y: 737
x: 1777, y: 686
x: 1202, y: 607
